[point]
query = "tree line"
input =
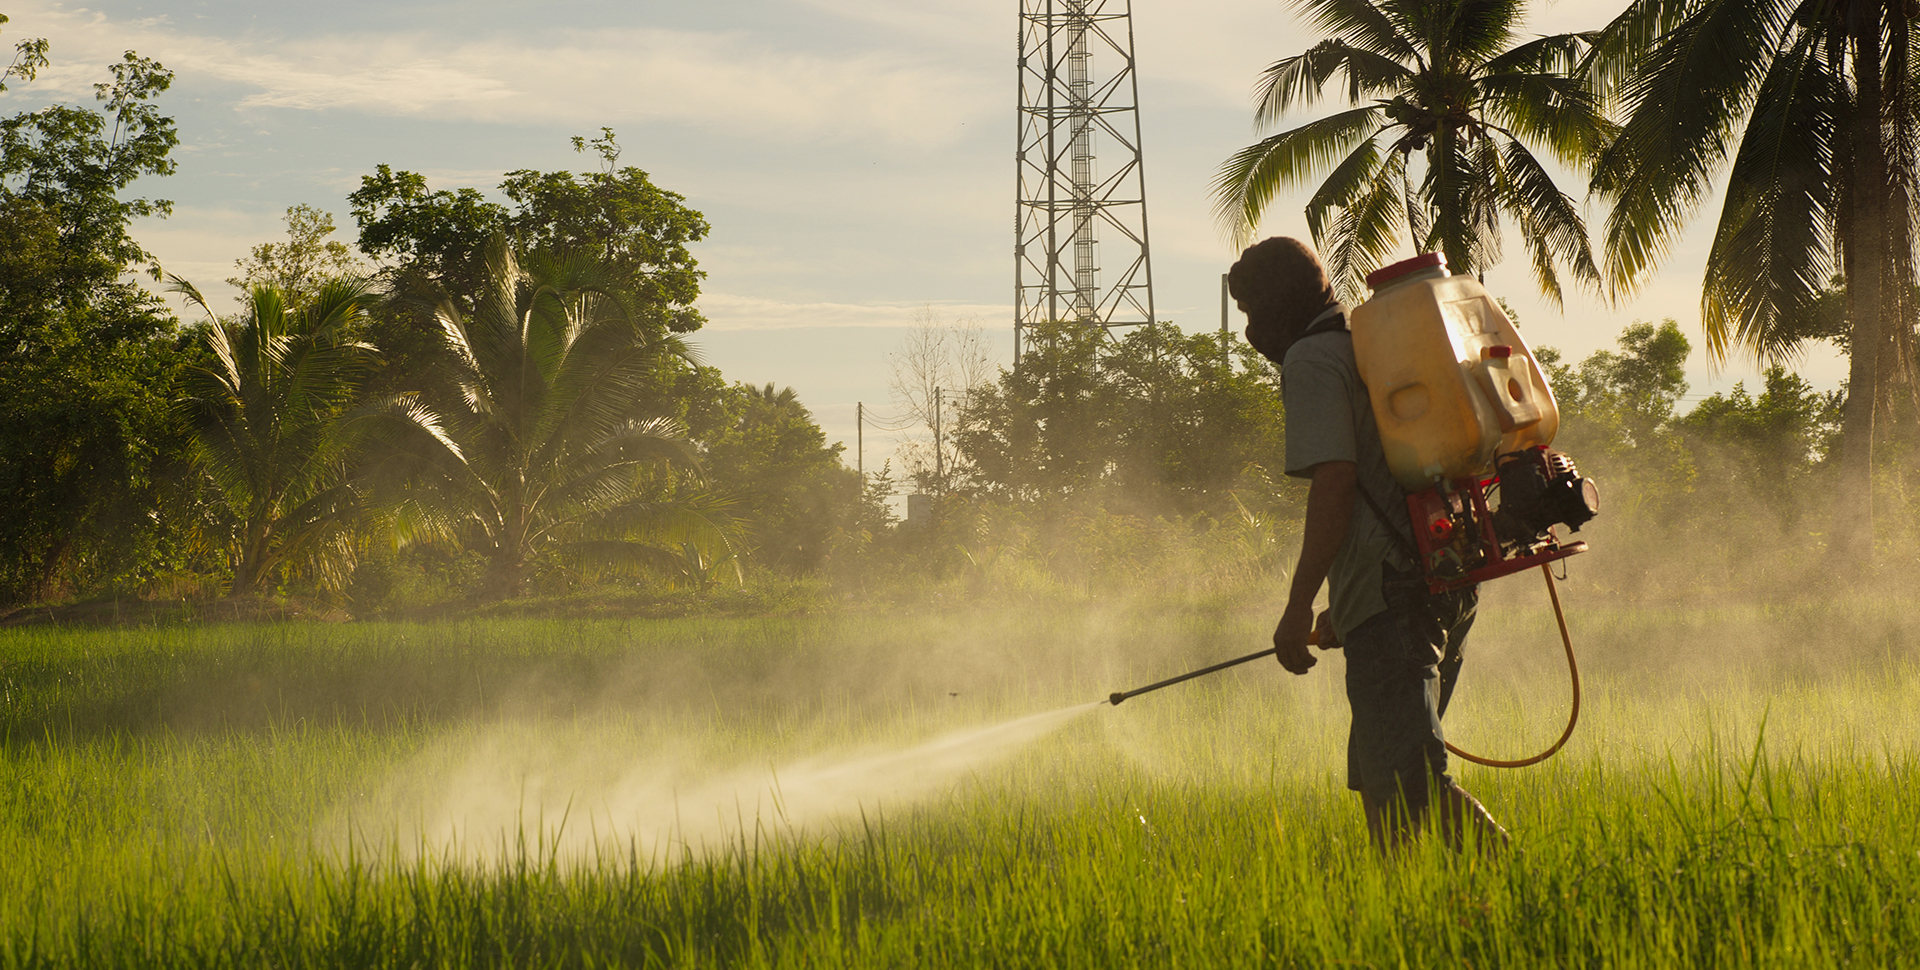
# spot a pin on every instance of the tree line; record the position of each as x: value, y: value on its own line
x: 509, y: 388
x: 492, y: 394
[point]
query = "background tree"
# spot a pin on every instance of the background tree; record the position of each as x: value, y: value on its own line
x: 29, y: 56
x: 1617, y: 406
x: 1157, y: 423
x: 438, y: 239
x: 1766, y: 449
x: 929, y: 377
x: 1443, y: 80
x: 786, y: 483
x: 301, y: 265
x: 86, y: 435
x: 274, y: 428
x: 1814, y: 101
x: 547, y: 446
x: 638, y: 231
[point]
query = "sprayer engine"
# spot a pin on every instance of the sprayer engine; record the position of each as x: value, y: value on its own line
x: 1463, y: 540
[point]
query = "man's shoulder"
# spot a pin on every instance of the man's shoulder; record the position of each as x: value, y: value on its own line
x: 1332, y: 350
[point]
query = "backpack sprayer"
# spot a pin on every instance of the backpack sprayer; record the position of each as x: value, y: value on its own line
x: 1465, y: 417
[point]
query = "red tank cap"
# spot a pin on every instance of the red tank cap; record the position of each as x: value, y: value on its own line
x: 1387, y: 274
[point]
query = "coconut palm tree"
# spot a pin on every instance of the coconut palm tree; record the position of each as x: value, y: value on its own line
x: 545, y: 446
x: 1437, y: 147
x: 1814, y: 100
x: 274, y: 424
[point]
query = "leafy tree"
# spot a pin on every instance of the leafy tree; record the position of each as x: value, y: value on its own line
x: 1766, y: 446
x: 29, y: 56
x: 440, y: 236
x: 547, y: 447
x: 65, y: 160
x: 1157, y: 421
x: 299, y: 267
x: 1043, y: 428
x: 638, y: 231
x: 1444, y: 79
x: 773, y: 461
x: 86, y: 437
x: 1814, y: 101
x: 1620, y: 401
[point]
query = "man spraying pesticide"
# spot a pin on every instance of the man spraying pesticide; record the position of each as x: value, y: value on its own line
x: 1406, y: 414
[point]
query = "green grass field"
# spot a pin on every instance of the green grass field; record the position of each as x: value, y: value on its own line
x: 804, y: 792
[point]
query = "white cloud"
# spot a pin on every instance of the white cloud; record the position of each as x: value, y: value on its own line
x: 716, y: 80
x: 968, y: 23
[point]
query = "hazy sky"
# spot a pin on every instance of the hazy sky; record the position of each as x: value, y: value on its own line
x: 855, y: 157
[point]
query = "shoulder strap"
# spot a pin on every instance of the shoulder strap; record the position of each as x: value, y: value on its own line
x: 1404, y: 541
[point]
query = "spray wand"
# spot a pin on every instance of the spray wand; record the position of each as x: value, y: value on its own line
x: 1566, y: 641
x: 1120, y: 695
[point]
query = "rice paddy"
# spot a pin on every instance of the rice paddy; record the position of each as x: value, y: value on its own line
x: 845, y: 791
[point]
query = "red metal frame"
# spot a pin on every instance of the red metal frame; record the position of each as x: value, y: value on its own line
x: 1446, y: 514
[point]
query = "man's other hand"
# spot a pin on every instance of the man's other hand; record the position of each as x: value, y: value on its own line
x: 1323, y: 635
x: 1290, y: 640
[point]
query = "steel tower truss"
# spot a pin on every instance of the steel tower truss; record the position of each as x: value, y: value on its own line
x: 1070, y: 219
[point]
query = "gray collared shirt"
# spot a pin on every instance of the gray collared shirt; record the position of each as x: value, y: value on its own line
x: 1329, y: 418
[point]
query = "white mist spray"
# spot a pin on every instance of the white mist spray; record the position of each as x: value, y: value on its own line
x: 574, y: 798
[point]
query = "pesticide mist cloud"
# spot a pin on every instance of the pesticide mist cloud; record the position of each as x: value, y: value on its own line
x: 597, y: 789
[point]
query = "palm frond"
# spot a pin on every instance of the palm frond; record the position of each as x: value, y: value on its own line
x: 1250, y: 179
x: 1461, y: 33
x: 1555, y: 111
x: 1688, y: 96
x: 1362, y: 24
x: 177, y: 284
x: 1363, y: 235
x: 1559, y: 54
x: 1350, y: 179
x: 1625, y: 41
x: 1772, y: 251
x: 1299, y: 80
x: 1549, y: 222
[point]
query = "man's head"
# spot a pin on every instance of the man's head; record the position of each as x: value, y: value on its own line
x: 1281, y: 286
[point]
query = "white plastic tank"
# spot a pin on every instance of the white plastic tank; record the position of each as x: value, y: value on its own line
x: 1452, y: 382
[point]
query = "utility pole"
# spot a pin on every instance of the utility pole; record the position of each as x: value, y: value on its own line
x: 860, y: 440
x: 1063, y: 207
x: 939, y: 452
x: 1226, y: 335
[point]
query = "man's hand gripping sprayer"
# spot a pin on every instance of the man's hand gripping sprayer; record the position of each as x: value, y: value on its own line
x: 1465, y: 415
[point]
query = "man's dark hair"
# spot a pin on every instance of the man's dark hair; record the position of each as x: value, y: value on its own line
x: 1283, y: 287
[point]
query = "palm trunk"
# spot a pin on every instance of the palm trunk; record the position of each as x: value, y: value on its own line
x: 250, y: 569
x: 1450, y: 199
x: 1866, y: 252
x: 506, y: 571
x: 504, y: 574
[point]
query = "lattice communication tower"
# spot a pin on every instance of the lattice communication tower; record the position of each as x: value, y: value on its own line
x: 1071, y: 219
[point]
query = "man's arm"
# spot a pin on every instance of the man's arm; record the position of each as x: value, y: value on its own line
x: 1329, y: 511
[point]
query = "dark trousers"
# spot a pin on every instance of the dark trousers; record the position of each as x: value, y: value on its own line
x: 1401, y: 667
